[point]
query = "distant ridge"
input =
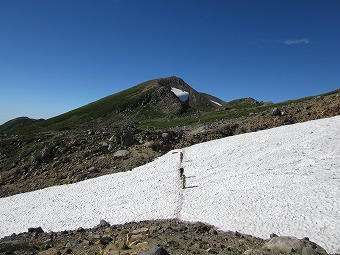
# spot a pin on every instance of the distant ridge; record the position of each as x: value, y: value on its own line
x: 157, y: 103
x: 18, y: 122
x: 148, y: 100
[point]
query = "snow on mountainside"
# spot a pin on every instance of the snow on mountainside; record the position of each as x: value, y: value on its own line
x: 182, y: 95
x: 283, y: 180
x: 216, y: 103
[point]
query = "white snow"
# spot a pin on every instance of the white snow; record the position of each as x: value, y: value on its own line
x: 215, y: 102
x: 182, y: 95
x: 283, y: 180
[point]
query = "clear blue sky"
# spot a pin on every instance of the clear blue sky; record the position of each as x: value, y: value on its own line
x: 57, y: 55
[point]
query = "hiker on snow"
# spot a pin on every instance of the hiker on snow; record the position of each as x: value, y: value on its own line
x: 183, y: 181
x: 181, y: 172
x: 181, y: 156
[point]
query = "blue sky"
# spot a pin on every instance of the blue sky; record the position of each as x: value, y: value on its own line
x: 59, y: 55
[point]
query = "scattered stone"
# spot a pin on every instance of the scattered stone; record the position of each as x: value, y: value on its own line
x: 104, y: 144
x: 155, y: 250
x: 110, y: 147
x: 121, y: 154
x: 93, y: 169
x: 127, y: 139
x: 104, y: 224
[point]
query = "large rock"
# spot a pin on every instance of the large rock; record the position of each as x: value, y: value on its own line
x: 35, y: 230
x: 127, y: 139
x: 289, y: 244
x: 276, y: 112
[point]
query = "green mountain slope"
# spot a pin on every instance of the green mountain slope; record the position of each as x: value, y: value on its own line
x: 149, y: 100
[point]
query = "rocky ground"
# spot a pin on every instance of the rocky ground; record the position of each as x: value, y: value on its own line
x: 175, y: 238
x: 35, y: 161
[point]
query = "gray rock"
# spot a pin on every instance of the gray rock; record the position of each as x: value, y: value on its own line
x: 121, y: 154
x: 45, y: 153
x: 92, y: 169
x: 140, y: 231
x: 285, y: 244
x: 276, y: 112
x: 288, y: 244
x: 104, y: 223
x: 104, y: 144
x: 110, y: 147
x: 155, y: 250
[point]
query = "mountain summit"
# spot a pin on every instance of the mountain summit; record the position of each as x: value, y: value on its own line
x: 159, y: 98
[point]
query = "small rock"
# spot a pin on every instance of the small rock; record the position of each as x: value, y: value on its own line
x: 92, y: 169
x: 155, y: 250
x: 140, y: 231
x: 272, y: 235
x: 104, y: 144
x: 110, y: 147
x: 121, y: 154
x: 104, y: 223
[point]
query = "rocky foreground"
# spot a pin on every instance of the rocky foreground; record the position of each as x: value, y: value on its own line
x: 152, y: 237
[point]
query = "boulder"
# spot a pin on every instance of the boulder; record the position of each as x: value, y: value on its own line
x: 127, y: 139
x: 276, y: 112
x: 289, y: 244
x: 35, y: 230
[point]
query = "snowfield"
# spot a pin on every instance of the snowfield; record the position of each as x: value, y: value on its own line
x: 284, y: 180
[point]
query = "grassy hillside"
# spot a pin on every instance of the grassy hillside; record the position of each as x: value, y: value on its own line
x: 110, y: 107
x: 17, y: 122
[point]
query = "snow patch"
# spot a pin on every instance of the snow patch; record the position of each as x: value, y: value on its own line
x: 284, y: 180
x: 182, y: 95
x: 215, y: 102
